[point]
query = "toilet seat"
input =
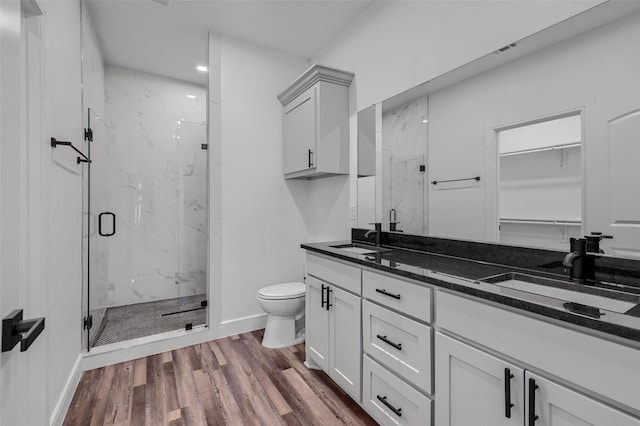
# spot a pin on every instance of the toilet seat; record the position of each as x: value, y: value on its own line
x: 282, y: 291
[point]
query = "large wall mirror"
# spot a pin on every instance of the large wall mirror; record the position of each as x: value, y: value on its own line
x: 530, y: 145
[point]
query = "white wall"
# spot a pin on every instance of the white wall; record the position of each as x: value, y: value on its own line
x: 264, y: 216
x: 62, y: 203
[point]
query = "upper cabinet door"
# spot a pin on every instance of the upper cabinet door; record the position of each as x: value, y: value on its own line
x: 300, y: 132
x: 555, y: 405
x: 475, y: 388
x: 612, y: 174
x: 316, y: 123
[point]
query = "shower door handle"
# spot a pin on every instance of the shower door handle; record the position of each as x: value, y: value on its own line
x: 113, y: 222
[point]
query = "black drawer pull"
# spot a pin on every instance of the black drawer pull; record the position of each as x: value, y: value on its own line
x: 398, y: 346
x: 396, y: 411
x: 383, y: 291
x: 532, y: 402
x: 507, y: 393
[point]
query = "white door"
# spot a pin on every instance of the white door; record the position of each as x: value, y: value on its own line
x: 317, y: 323
x: 556, y: 405
x: 475, y: 388
x: 300, y: 130
x: 344, y: 341
x: 22, y: 387
x: 612, y: 173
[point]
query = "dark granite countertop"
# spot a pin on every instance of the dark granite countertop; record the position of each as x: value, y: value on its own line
x: 474, y: 276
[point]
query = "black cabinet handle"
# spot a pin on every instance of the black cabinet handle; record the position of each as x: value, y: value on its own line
x: 532, y: 402
x: 398, y: 346
x: 322, y: 296
x: 507, y: 393
x: 329, y: 290
x: 310, y: 158
x: 113, y: 221
x: 383, y: 291
x: 396, y: 411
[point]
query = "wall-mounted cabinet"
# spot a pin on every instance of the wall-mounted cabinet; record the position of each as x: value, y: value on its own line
x: 316, y: 124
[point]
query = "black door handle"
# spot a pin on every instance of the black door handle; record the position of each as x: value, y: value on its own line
x: 322, y: 296
x: 113, y: 226
x: 310, y: 158
x: 383, y: 291
x: 398, y: 346
x: 396, y: 411
x: 532, y: 402
x: 329, y: 290
x: 507, y: 393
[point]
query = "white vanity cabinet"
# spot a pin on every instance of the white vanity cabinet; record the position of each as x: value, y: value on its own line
x: 397, y: 359
x: 333, y: 311
x: 476, y: 387
x: 316, y: 123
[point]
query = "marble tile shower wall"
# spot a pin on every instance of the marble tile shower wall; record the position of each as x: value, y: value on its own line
x: 154, y: 178
x: 404, y: 150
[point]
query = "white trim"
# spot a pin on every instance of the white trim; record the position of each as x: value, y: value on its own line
x: 64, y: 400
x: 114, y: 353
x: 313, y: 75
x: 243, y: 325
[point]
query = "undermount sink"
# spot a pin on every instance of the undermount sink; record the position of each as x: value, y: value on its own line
x: 562, y: 290
x: 360, y: 248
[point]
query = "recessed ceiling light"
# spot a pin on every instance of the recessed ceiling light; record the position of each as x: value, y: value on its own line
x: 202, y: 68
x: 191, y: 96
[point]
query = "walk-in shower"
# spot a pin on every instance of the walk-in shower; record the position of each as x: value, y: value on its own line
x: 145, y: 201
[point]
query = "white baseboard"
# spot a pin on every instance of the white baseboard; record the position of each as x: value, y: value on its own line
x: 243, y: 325
x: 64, y: 400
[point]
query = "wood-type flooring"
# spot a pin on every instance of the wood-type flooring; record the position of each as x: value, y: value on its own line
x: 229, y: 381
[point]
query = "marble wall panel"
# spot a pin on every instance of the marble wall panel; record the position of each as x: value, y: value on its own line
x: 404, y: 150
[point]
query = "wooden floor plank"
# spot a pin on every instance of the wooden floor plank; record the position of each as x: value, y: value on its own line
x: 229, y: 381
x: 186, y: 387
x: 155, y: 406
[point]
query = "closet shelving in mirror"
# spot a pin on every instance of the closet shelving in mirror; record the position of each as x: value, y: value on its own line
x: 559, y: 222
x: 540, y: 149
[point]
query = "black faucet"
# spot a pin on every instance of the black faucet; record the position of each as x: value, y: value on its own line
x: 378, y: 232
x: 583, y: 265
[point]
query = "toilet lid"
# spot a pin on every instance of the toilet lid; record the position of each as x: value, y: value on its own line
x: 282, y: 291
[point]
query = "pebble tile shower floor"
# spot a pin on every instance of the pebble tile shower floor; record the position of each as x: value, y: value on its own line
x: 144, y: 319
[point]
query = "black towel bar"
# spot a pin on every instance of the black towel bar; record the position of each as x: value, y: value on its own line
x: 435, y: 182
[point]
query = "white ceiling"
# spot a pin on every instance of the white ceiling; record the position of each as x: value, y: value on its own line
x: 171, y: 40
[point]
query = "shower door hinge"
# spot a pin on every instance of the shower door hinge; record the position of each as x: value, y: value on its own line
x: 88, y: 322
x: 203, y: 304
x: 88, y: 135
x: 204, y: 146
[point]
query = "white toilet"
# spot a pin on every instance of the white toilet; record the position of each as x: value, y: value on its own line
x: 285, y: 305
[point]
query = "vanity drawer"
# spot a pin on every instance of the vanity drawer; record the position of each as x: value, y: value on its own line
x: 400, y: 343
x: 379, y: 386
x: 336, y: 273
x: 410, y: 299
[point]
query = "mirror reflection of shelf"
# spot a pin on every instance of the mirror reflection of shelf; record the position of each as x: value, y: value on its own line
x: 545, y: 148
x: 558, y: 222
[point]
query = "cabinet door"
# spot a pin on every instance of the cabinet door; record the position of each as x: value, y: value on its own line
x: 300, y: 132
x: 317, y: 323
x: 475, y: 388
x: 555, y: 405
x: 344, y: 335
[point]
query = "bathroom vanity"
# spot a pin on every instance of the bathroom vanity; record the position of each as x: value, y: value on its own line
x: 495, y: 335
